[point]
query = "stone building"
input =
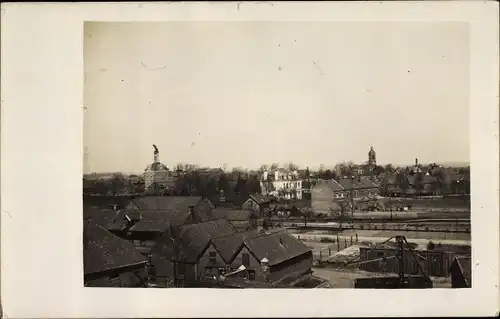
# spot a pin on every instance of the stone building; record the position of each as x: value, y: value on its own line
x: 157, y: 173
x: 282, y: 183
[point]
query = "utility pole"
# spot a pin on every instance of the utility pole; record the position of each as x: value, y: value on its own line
x: 352, y: 197
x: 390, y: 206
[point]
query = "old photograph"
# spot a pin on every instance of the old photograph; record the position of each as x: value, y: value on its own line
x: 276, y: 155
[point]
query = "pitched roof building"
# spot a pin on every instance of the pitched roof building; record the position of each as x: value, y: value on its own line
x: 329, y: 194
x: 228, y: 246
x: 109, y: 260
x: 177, y: 253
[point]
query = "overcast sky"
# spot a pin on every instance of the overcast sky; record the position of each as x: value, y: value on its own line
x: 248, y: 93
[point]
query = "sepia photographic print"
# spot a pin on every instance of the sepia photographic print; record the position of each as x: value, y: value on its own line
x: 276, y: 155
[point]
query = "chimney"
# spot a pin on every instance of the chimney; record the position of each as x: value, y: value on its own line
x: 265, y: 268
x: 193, y: 214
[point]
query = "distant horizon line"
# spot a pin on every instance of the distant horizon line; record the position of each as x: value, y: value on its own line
x: 313, y: 168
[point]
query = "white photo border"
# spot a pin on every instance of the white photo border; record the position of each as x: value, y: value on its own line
x: 42, y: 160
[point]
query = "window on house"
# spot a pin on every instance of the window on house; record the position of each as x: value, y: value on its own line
x: 245, y: 259
x: 208, y: 272
x: 380, y: 254
x: 222, y: 271
x: 182, y: 269
x: 212, y: 256
x: 251, y: 275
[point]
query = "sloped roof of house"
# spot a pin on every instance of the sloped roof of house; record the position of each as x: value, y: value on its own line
x: 231, y: 214
x: 229, y: 245
x: 167, y: 203
x: 145, y: 225
x: 196, y: 237
x: 357, y: 183
x: 276, y: 247
x: 348, y: 183
x: 148, y: 221
x: 104, y: 251
x: 261, y: 199
x: 229, y: 200
x: 101, y: 217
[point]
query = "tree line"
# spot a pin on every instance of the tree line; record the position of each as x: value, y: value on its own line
x: 189, y: 183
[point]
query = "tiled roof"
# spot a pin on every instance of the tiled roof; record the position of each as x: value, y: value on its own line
x: 152, y: 221
x: 107, y: 202
x: 229, y: 200
x: 228, y: 246
x: 150, y: 226
x: 104, y: 251
x: 261, y: 199
x: 231, y: 214
x: 101, y: 217
x: 334, y: 185
x: 356, y: 183
x: 276, y: 247
x: 167, y: 203
x: 195, y: 238
x: 167, y: 246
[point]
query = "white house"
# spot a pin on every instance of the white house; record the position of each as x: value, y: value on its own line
x: 282, y: 183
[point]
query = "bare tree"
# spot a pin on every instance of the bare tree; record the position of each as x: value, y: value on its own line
x: 263, y: 168
x: 293, y: 167
x: 274, y: 166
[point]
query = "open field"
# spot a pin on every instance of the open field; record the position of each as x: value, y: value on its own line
x: 410, y: 234
x: 381, y: 235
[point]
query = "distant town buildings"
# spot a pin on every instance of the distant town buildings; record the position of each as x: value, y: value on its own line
x: 157, y: 173
x: 282, y: 183
x: 331, y: 194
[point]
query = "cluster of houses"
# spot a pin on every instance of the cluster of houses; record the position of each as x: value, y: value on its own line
x: 184, y: 241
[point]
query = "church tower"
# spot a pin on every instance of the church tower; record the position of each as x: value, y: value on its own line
x: 157, y: 172
x: 372, y: 157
